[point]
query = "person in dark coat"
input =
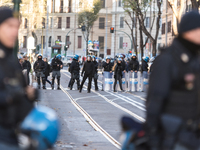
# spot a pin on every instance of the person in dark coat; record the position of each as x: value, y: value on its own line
x: 134, y: 64
x: 75, y: 72
x: 173, y: 101
x: 118, y: 74
x: 123, y: 63
x: 16, y: 98
x: 39, y: 68
x: 88, y: 71
x: 145, y: 65
x: 95, y: 72
x: 47, y: 70
x: 107, y: 66
x: 26, y: 66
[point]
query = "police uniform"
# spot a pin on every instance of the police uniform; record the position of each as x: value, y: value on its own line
x: 75, y: 69
x: 39, y: 68
x: 173, y: 101
x: 56, y: 66
x: 95, y: 73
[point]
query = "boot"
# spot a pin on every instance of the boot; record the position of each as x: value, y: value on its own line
x: 58, y: 87
x: 52, y: 87
x: 80, y: 90
x: 88, y: 91
x: 44, y: 87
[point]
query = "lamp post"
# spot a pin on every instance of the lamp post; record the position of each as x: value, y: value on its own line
x: 16, y: 15
x: 42, y: 41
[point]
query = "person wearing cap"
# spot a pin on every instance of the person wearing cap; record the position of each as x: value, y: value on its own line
x: 107, y: 66
x: 16, y: 98
x: 26, y: 66
x: 75, y: 72
x: 173, y: 100
x: 118, y: 74
x: 88, y: 71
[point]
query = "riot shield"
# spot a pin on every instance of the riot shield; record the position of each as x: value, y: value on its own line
x: 25, y: 75
x: 145, y: 81
x: 107, y: 81
x: 133, y: 82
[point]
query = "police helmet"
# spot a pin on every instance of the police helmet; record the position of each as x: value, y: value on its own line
x: 42, y: 126
x: 19, y: 56
x: 59, y: 56
x: 146, y: 59
x: 76, y: 57
x: 119, y: 59
x: 39, y: 55
x: 120, y: 56
x: 152, y: 59
x: 108, y: 57
x: 133, y: 55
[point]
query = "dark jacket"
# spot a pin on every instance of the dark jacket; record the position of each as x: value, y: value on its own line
x: 55, y: 64
x: 14, y: 104
x: 134, y: 65
x: 95, y: 66
x: 26, y: 65
x: 123, y: 65
x: 39, y: 66
x: 107, y: 66
x: 174, y: 85
x: 88, y: 68
x: 118, y: 70
x: 47, y: 69
x: 144, y: 66
x: 75, y: 67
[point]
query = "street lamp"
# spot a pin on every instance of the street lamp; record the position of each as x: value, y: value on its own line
x: 42, y: 41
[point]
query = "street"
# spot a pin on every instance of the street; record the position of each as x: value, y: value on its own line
x: 91, y: 121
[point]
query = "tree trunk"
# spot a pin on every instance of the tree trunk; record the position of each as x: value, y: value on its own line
x: 154, y: 48
x: 141, y: 44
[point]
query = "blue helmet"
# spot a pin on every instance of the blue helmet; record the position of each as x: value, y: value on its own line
x: 93, y: 56
x: 76, y: 57
x: 39, y: 55
x: 108, y: 57
x: 119, y: 59
x: 42, y: 126
x: 133, y: 55
x: 146, y: 59
x: 120, y: 56
x: 59, y: 56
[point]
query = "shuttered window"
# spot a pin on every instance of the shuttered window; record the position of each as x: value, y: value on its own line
x: 101, y: 23
x: 79, y: 41
x: 68, y: 22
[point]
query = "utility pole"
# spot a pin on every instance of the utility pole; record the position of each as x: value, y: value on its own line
x: 52, y: 23
x: 47, y: 31
x: 16, y: 15
x: 105, y: 48
x: 42, y: 42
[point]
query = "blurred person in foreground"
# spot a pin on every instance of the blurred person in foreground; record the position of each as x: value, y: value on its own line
x: 173, y: 101
x: 15, y: 96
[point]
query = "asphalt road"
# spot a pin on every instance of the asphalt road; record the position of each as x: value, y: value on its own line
x: 105, y: 108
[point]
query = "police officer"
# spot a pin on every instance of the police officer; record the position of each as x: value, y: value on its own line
x: 88, y: 70
x: 118, y: 74
x: 107, y: 66
x: 39, y: 68
x: 173, y: 112
x: 75, y: 69
x: 123, y: 63
x: 95, y: 72
x: 26, y: 66
x: 15, y: 95
x: 56, y: 65
x: 134, y: 64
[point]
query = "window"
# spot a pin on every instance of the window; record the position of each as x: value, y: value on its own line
x: 59, y: 38
x: 108, y: 51
x: 49, y: 41
x: 103, y: 3
x: 61, y: 6
x: 169, y: 27
x: 79, y: 41
x: 67, y: 40
x: 120, y: 3
x: 101, y: 42
x: 121, y: 22
x: 51, y: 22
x: 59, y: 22
x: 70, y: 5
x: 52, y: 6
x: 163, y: 28
x: 43, y: 22
x: 24, y: 41
x: 43, y: 37
x: 147, y: 22
x: 101, y: 23
x: 68, y: 22
x: 25, y: 23
x: 120, y: 42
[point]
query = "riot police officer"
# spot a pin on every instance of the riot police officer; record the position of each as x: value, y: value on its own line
x: 95, y: 72
x: 39, y: 68
x: 118, y: 74
x: 88, y: 71
x: 56, y: 65
x: 134, y: 64
x: 173, y: 112
x: 75, y: 69
x: 15, y: 95
x: 26, y: 66
x: 107, y: 66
